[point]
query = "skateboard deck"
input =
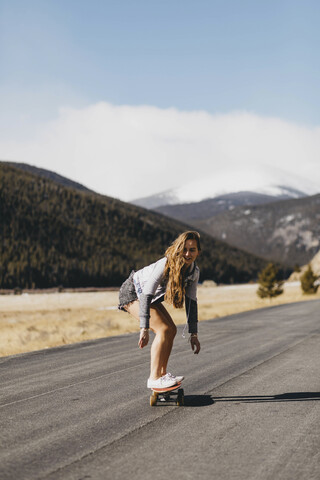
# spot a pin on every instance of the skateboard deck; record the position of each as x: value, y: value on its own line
x: 168, y: 389
x: 165, y: 395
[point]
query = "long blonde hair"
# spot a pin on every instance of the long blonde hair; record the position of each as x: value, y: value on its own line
x: 175, y: 269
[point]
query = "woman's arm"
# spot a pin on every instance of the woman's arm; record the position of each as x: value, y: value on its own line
x: 192, y: 314
x: 149, y: 288
x: 144, y: 310
x: 191, y: 306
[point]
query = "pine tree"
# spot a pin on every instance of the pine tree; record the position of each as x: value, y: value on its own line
x: 269, y: 284
x: 308, y: 281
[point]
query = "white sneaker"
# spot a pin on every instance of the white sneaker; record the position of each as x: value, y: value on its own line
x: 178, y: 378
x: 162, y: 382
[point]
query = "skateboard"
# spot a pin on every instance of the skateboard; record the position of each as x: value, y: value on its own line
x: 165, y: 395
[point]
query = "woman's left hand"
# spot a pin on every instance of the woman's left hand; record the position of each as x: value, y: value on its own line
x: 195, y: 344
x: 144, y: 337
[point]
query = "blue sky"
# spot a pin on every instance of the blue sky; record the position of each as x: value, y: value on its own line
x: 261, y: 56
x: 218, y: 56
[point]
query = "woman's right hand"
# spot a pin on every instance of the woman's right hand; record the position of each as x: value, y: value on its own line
x: 144, y: 337
x: 195, y: 344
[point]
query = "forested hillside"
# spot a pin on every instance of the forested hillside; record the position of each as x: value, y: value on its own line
x: 55, y: 235
x: 42, y: 172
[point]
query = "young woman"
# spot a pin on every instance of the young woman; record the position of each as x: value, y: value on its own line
x: 173, y: 278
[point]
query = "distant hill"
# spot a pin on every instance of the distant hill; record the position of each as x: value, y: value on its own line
x: 187, y: 212
x: 63, y: 235
x: 287, y: 230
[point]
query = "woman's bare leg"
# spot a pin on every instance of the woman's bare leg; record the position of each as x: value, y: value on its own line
x: 165, y: 330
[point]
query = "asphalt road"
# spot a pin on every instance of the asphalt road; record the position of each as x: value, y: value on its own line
x: 251, y: 411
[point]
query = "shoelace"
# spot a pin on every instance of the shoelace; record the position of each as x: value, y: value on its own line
x: 164, y: 379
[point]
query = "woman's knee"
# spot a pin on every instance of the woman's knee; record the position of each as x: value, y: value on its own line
x: 169, y: 330
x: 164, y: 328
x: 161, y: 322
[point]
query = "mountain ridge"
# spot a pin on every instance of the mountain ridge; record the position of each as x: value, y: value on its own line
x: 213, y: 206
x: 250, y: 178
x: 42, y: 172
x: 169, y: 199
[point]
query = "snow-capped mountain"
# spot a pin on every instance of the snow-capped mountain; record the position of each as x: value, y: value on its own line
x: 257, y: 179
x: 270, y: 213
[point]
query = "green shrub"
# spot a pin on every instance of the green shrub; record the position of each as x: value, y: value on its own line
x: 269, y: 284
x: 308, y: 280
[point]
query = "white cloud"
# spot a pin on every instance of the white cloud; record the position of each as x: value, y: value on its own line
x: 133, y: 151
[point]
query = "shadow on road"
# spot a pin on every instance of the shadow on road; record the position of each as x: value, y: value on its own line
x: 283, y: 397
x: 198, y: 400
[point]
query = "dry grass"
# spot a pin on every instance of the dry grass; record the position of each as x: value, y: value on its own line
x: 35, y: 321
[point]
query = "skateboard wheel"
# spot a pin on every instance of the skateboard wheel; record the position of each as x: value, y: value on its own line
x: 180, y: 398
x: 153, y: 399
